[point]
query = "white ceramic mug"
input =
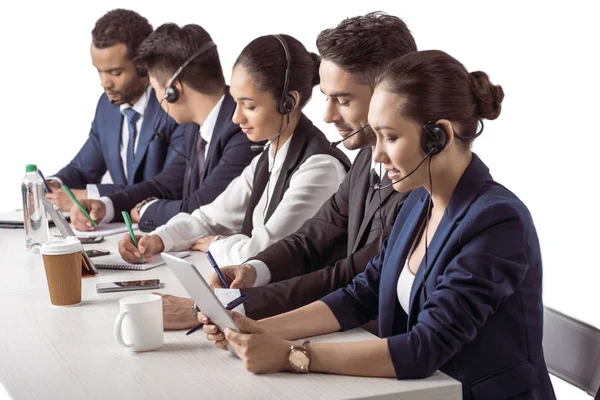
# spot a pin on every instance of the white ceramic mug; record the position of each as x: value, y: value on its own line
x: 139, y: 325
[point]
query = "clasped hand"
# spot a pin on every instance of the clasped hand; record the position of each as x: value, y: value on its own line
x: 260, y: 350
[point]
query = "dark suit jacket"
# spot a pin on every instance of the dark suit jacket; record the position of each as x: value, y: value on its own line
x: 229, y: 152
x: 101, y: 152
x: 329, y: 249
x: 480, y: 318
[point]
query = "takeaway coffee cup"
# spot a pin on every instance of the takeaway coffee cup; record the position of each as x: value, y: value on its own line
x: 62, y: 262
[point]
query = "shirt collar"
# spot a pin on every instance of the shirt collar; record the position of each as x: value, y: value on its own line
x: 375, y: 166
x: 140, y: 105
x: 208, y: 127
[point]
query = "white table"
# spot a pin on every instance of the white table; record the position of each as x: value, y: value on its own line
x: 70, y: 353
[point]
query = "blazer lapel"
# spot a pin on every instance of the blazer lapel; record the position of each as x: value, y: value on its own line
x: 377, y: 200
x: 114, y: 128
x: 438, y: 241
x: 146, y: 134
x: 467, y: 189
x: 357, y: 197
x: 391, y: 272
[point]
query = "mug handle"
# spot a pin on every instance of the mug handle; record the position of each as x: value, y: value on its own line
x: 118, y: 329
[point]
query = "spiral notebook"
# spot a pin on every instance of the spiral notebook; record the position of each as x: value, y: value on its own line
x: 114, y: 261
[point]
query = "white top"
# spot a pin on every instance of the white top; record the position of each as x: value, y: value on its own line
x: 206, y: 131
x: 406, y: 279
x: 405, y: 282
x: 313, y: 183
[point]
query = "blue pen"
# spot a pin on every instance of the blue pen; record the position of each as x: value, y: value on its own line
x: 230, y: 306
x: 48, y: 190
x: 213, y: 263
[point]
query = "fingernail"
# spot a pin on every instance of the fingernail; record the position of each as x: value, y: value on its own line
x: 204, y: 319
x: 89, y: 224
x: 137, y: 254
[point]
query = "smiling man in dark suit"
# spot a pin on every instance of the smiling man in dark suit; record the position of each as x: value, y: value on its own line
x: 216, y: 151
x: 336, y: 244
x: 121, y: 139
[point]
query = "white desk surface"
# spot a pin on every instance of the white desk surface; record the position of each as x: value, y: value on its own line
x: 70, y: 353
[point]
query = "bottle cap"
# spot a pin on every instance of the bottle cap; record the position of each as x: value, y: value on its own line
x: 30, y: 168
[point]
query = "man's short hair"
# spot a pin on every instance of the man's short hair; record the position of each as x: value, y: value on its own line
x: 121, y: 26
x: 364, y: 45
x: 169, y: 46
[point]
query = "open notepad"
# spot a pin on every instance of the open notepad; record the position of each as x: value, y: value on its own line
x: 114, y: 261
x: 111, y: 228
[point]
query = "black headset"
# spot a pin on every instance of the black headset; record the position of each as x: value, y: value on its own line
x: 287, y: 101
x: 433, y: 139
x: 171, y: 92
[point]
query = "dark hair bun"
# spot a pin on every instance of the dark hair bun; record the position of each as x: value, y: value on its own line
x: 489, y: 96
x: 316, y: 59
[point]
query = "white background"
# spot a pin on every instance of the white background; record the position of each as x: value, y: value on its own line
x: 544, y: 146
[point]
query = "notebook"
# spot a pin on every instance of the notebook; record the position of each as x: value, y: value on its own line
x: 111, y: 228
x: 114, y: 261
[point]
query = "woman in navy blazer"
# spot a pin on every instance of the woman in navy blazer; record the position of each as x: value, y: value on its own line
x: 468, y: 303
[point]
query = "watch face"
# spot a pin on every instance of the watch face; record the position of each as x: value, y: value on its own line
x: 298, y: 359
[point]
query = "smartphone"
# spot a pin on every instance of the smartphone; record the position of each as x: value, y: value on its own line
x: 97, y: 253
x: 127, y: 285
x: 91, y: 239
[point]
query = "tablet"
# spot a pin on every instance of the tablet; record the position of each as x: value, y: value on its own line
x: 201, y: 293
x: 65, y: 229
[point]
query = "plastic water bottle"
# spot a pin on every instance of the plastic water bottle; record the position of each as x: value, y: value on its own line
x: 36, y: 222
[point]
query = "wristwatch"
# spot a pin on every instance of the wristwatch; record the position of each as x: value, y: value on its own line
x: 299, y: 358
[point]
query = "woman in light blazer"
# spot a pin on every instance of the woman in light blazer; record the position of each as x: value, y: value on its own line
x: 458, y: 284
x: 298, y: 170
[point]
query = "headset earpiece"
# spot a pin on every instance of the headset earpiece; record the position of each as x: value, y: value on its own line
x: 434, y: 138
x: 287, y: 102
x: 171, y: 92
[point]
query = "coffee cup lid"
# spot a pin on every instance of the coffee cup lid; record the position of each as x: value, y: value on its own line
x: 67, y: 245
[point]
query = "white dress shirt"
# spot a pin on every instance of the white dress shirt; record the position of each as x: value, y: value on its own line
x: 206, y: 132
x: 313, y: 183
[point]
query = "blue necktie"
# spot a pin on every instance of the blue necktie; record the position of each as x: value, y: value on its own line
x: 132, y: 117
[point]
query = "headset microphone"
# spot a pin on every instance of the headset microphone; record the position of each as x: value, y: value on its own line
x: 433, y: 141
x: 378, y: 187
x: 335, y: 144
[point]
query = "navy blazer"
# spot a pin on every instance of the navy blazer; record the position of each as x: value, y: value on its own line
x: 101, y: 152
x: 480, y: 318
x: 229, y: 152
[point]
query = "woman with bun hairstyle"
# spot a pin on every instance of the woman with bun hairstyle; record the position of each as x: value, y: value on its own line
x: 298, y: 170
x: 457, y: 287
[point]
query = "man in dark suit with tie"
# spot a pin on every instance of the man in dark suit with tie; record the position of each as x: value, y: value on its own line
x: 336, y: 244
x: 121, y: 139
x: 216, y: 151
